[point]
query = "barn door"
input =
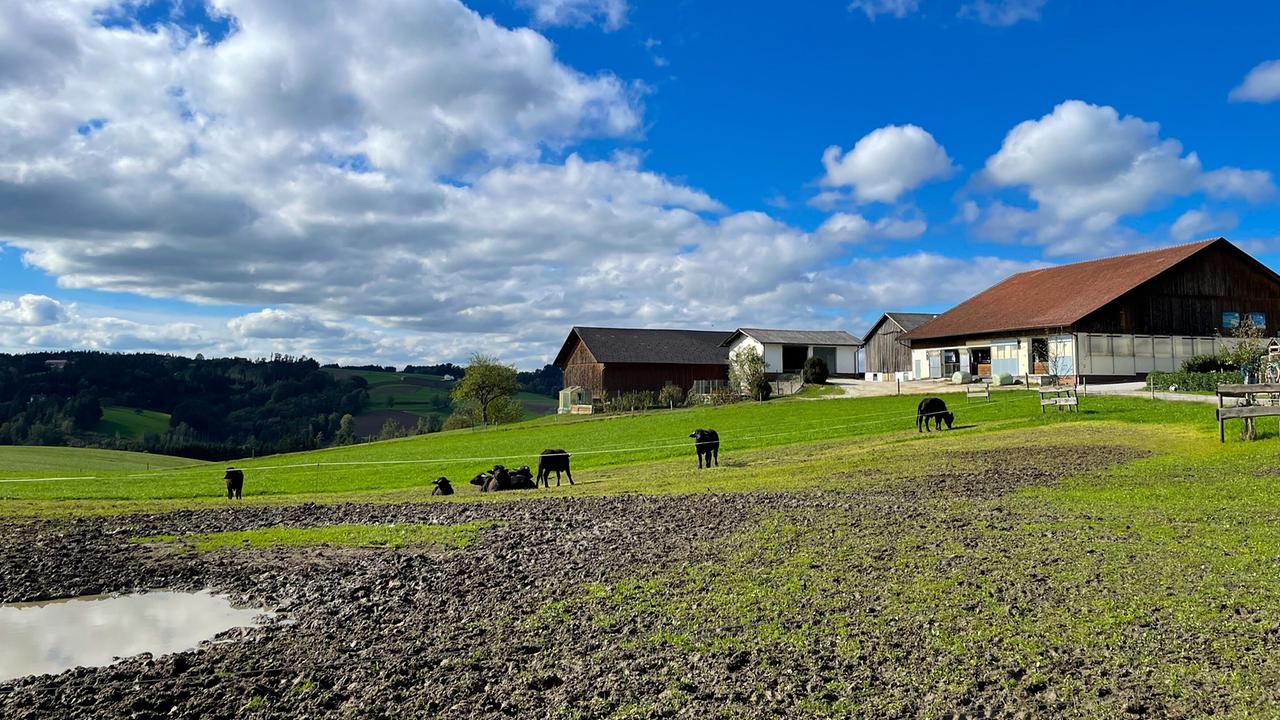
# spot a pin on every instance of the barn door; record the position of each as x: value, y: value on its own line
x: 828, y: 355
x: 935, y: 363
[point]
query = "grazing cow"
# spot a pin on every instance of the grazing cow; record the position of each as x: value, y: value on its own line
x: 235, y: 482
x: 932, y: 408
x: 706, y: 443
x: 553, y: 460
x: 442, y: 487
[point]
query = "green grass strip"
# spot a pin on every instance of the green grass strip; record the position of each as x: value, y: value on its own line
x: 340, y: 536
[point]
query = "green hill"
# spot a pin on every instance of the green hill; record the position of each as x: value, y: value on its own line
x: 131, y: 422
x: 19, y: 460
x: 414, y: 395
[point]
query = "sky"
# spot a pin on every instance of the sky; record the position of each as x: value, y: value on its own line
x: 412, y: 181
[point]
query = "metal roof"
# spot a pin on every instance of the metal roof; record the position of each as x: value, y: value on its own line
x: 1058, y: 296
x: 639, y: 345
x: 796, y: 337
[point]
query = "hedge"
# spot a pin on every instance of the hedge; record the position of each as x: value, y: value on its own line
x: 1204, y: 381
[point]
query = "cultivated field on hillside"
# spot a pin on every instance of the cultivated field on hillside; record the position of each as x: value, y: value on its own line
x: 132, y: 423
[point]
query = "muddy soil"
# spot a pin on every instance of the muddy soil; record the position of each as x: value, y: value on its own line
x: 429, y: 633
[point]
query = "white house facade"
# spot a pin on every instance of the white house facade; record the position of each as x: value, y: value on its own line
x: 785, y: 351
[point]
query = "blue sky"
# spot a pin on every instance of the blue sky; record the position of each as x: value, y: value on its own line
x: 383, y: 182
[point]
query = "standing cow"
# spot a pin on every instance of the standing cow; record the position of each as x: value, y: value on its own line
x: 706, y: 443
x: 553, y: 460
x: 935, y: 410
x: 235, y: 482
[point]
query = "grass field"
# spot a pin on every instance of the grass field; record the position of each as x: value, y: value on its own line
x: 763, y: 445
x: 419, y: 396
x: 22, y: 461
x: 131, y: 422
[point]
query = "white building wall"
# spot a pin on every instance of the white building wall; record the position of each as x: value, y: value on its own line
x: 1103, y: 354
x: 846, y: 360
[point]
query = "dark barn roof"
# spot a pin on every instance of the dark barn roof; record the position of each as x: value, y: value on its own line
x: 795, y: 337
x: 906, y: 321
x: 1058, y: 296
x: 630, y: 345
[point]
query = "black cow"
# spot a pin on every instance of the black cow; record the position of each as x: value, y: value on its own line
x: 706, y: 442
x: 553, y: 460
x: 235, y: 482
x: 499, y: 479
x: 932, y: 408
x: 522, y: 479
x: 442, y: 487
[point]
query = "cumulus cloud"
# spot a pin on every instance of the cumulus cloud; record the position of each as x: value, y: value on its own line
x: 1261, y: 85
x: 895, y: 8
x: 1200, y: 224
x: 276, y: 323
x: 1002, y: 13
x: 612, y: 14
x: 1085, y: 166
x: 854, y: 228
x: 32, y: 310
x: 886, y: 163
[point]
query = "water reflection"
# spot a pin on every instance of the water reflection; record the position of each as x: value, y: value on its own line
x: 50, y: 637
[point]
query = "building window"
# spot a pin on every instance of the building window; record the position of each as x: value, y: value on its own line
x: 1230, y: 320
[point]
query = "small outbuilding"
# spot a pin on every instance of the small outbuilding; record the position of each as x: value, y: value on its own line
x: 785, y: 351
x: 886, y: 357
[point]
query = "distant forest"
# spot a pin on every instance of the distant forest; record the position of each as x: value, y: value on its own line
x: 218, y: 408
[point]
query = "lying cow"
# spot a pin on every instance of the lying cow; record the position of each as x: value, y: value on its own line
x: 499, y: 479
x: 442, y: 486
x: 235, y: 482
x: 932, y: 408
x: 706, y: 443
x: 549, y: 461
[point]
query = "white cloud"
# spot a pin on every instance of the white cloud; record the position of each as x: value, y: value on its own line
x: 1200, y: 224
x: 276, y: 323
x: 1261, y: 85
x: 886, y: 163
x: 896, y: 8
x: 1252, y: 185
x: 854, y: 228
x: 1085, y: 167
x: 1002, y: 13
x: 32, y: 311
x: 612, y: 14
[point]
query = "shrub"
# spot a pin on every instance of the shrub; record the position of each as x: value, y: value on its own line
x: 671, y: 396
x: 722, y: 396
x: 1201, y: 381
x: 1205, y: 363
x: 763, y: 390
x: 746, y: 370
x: 630, y: 401
x: 816, y: 371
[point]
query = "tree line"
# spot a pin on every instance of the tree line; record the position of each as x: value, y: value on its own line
x: 218, y: 408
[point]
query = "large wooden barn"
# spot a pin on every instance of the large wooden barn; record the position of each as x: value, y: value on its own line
x: 885, y: 352
x: 622, y: 359
x: 1113, y: 318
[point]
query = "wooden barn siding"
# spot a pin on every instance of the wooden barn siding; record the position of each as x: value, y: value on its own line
x: 621, y: 377
x: 1191, y: 299
x: 883, y: 351
x: 583, y: 370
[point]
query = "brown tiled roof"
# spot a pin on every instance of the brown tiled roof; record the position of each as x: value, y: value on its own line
x: 1054, y: 296
x: 636, y: 345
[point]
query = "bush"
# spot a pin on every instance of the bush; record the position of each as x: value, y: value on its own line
x: 722, y: 396
x: 816, y: 371
x: 1201, y: 381
x: 763, y: 390
x: 1206, y: 364
x: 630, y: 401
x: 671, y: 396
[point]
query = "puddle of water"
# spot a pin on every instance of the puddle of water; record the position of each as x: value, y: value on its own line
x: 49, y: 637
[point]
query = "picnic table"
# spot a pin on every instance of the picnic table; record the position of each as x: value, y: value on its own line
x: 1250, y: 404
x: 1063, y: 397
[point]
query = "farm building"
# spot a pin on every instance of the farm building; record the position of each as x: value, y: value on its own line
x: 785, y: 351
x: 1113, y: 318
x: 886, y: 356
x: 617, y: 360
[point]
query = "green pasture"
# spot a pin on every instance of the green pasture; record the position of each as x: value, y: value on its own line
x: 764, y: 445
x: 130, y: 422
x: 20, y: 461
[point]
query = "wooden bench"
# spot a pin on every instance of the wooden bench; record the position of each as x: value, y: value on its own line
x: 1063, y: 397
x: 977, y: 391
x: 1251, y: 406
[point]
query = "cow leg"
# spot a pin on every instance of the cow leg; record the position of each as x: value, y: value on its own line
x: 699, y: 459
x: 918, y: 423
x: 569, y: 475
x: 716, y: 454
x: 228, y: 492
x: 557, y: 478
